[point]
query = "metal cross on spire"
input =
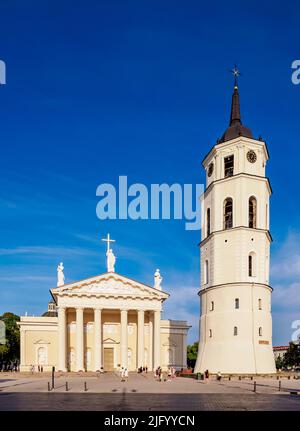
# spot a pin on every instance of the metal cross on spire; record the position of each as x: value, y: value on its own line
x: 108, y: 241
x: 236, y: 73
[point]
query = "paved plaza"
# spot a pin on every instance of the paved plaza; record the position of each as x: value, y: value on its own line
x: 143, y: 392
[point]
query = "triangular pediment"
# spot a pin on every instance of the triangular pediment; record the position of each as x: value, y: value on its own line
x: 41, y: 341
x: 110, y: 341
x: 109, y: 284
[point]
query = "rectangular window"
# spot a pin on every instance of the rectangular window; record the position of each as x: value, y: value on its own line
x: 212, y: 306
x: 237, y: 303
x: 228, y: 166
x: 259, y: 304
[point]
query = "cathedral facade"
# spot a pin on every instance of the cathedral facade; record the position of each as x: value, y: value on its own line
x: 235, y: 294
x: 103, y: 323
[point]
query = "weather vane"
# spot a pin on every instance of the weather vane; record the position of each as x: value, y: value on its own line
x: 236, y: 73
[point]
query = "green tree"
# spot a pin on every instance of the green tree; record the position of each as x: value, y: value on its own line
x: 10, y: 351
x: 279, y: 363
x: 292, y: 356
x: 192, y: 350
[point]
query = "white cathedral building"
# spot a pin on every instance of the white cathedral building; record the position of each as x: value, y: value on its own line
x: 235, y: 294
x: 103, y: 323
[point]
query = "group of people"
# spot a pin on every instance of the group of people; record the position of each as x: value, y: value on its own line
x: 34, y: 368
x: 143, y: 369
x: 160, y: 376
x: 218, y: 376
x: 9, y: 366
x: 124, y: 374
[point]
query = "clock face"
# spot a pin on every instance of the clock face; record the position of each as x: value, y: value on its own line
x: 210, y: 169
x: 251, y: 156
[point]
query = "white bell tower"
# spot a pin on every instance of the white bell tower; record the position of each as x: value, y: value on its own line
x: 235, y: 295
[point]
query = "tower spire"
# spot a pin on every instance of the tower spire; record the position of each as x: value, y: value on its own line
x: 235, y: 128
x: 235, y: 115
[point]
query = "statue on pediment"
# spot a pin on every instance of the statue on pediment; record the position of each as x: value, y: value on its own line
x: 60, y: 275
x: 157, y: 280
x: 110, y: 260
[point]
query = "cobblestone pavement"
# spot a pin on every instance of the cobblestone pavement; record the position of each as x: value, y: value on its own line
x: 145, y: 383
x: 137, y: 402
x: 107, y: 392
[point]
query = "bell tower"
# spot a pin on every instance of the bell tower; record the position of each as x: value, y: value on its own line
x: 235, y: 295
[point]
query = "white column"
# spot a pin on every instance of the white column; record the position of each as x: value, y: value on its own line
x: 79, y: 339
x: 140, y: 338
x: 156, y: 337
x: 184, y: 351
x: 97, y: 339
x: 22, y: 348
x: 150, y: 365
x: 124, y: 342
x: 62, y: 339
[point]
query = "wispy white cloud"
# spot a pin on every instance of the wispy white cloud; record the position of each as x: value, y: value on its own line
x: 24, y: 278
x: 286, y: 261
x: 46, y: 251
x: 285, y: 276
x: 287, y: 296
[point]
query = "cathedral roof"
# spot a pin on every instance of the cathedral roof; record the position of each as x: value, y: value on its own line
x: 236, y: 128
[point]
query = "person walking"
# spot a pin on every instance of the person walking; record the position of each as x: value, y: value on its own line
x: 206, y: 374
x: 126, y: 375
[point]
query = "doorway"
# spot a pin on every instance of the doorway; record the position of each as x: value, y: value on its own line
x: 108, y: 359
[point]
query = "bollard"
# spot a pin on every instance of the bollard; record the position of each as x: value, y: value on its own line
x: 277, y: 377
x: 251, y: 377
x: 85, y: 387
x: 67, y: 386
x: 279, y: 386
x: 229, y: 378
x: 49, y: 387
x: 289, y: 377
x: 254, y: 389
x: 240, y: 378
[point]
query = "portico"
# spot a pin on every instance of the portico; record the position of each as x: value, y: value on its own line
x: 92, y: 339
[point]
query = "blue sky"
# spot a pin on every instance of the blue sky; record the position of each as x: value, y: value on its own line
x: 138, y: 88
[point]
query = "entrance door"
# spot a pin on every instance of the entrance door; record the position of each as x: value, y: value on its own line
x: 108, y: 359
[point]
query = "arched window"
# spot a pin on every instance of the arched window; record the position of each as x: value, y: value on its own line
x: 228, y: 213
x: 259, y: 304
x: 212, y: 306
x: 206, y: 272
x: 237, y: 303
x: 129, y: 358
x: 251, y: 264
x: 252, y: 212
x: 260, y: 331
x: 208, y: 222
x: 71, y: 359
x: 42, y: 355
x: 210, y: 333
x: 235, y: 330
x: 88, y: 357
